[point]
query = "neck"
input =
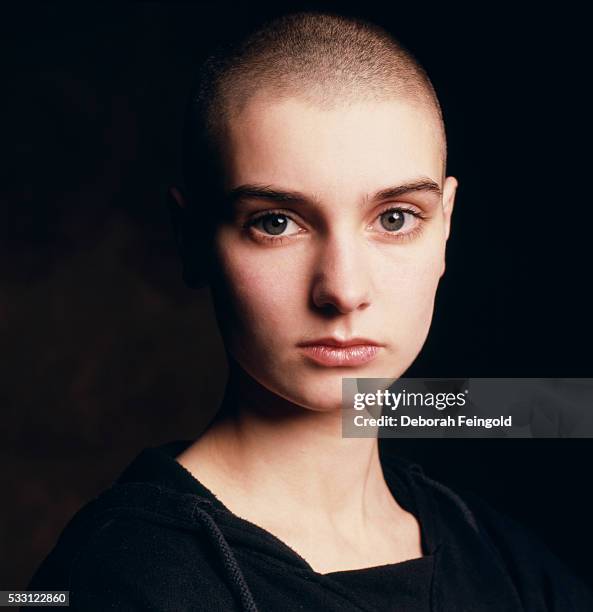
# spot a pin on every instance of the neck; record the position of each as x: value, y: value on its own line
x: 270, y: 449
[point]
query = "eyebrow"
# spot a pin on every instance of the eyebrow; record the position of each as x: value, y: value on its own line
x: 272, y: 194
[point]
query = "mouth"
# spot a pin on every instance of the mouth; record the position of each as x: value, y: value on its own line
x: 331, y: 352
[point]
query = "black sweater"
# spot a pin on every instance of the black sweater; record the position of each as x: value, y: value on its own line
x: 159, y: 540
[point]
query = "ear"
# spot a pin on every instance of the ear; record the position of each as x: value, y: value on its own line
x: 188, y: 244
x: 449, y: 191
x: 175, y: 193
x: 177, y: 206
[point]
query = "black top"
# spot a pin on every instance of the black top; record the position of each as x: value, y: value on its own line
x: 159, y: 540
x: 407, y: 583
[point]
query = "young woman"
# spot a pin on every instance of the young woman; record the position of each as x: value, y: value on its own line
x: 317, y: 208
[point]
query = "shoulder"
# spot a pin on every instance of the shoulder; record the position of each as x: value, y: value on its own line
x: 114, y: 555
x: 542, y: 579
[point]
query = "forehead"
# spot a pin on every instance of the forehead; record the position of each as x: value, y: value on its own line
x: 347, y: 149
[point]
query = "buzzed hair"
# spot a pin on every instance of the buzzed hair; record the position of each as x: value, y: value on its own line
x: 324, y: 58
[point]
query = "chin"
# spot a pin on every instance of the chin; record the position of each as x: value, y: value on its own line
x: 321, y: 390
x: 326, y: 399
x: 326, y: 404
x: 323, y: 393
x: 312, y: 393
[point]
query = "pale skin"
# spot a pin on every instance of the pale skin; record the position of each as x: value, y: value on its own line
x: 277, y: 459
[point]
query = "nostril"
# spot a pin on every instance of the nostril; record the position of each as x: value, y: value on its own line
x: 339, y: 302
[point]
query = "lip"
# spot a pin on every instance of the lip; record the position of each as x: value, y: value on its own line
x: 332, y: 352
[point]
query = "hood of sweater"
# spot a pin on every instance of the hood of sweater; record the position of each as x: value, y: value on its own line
x: 158, y: 539
x: 466, y: 566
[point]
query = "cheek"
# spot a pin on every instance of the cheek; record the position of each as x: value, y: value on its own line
x: 265, y: 289
x: 408, y: 287
x: 414, y: 285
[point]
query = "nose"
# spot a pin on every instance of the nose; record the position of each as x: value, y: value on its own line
x: 342, y: 281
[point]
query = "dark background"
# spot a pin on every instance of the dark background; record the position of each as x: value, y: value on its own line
x: 105, y: 352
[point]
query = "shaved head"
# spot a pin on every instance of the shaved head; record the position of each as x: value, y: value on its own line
x: 321, y: 58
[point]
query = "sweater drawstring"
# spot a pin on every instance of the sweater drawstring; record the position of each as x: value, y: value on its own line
x: 230, y: 564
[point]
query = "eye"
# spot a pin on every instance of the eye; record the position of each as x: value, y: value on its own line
x: 393, y: 220
x: 275, y: 224
x: 399, y: 220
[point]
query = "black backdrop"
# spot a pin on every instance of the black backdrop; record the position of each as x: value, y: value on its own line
x: 106, y: 352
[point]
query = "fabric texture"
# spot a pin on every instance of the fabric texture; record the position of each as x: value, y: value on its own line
x: 158, y: 539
